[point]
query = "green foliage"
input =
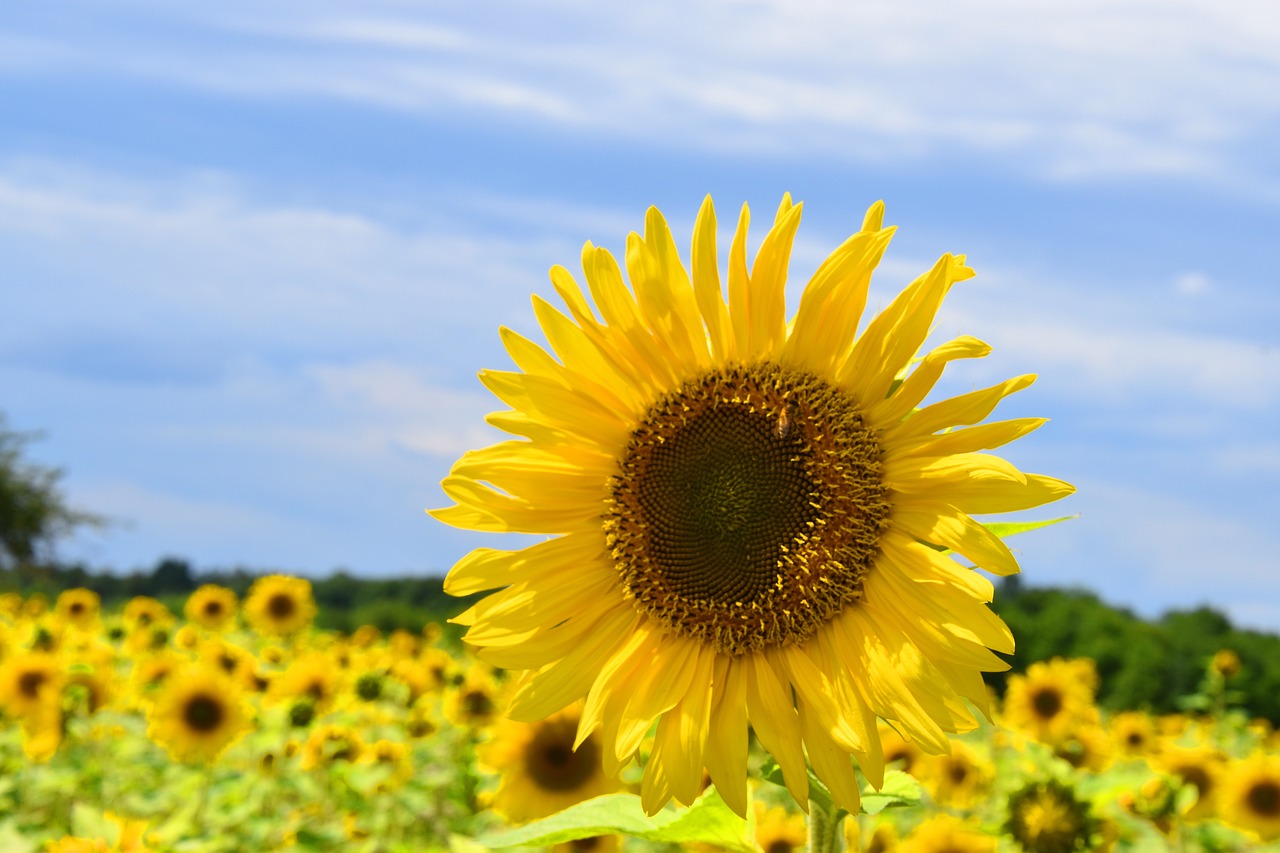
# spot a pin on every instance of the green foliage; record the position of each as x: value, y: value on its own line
x: 1141, y: 664
x: 707, y: 821
x: 33, y: 513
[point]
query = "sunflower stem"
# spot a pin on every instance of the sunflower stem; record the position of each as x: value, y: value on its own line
x: 824, y: 822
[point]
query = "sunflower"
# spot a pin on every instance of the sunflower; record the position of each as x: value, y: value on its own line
x: 393, y: 760
x: 879, y: 837
x: 143, y: 611
x: 78, y: 607
x: 200, y: 711
x: 1048, y: 817
x: 1134, y: 734
x: 946, y: 834
x: 957, y: 780
x: 211, y: 606
x: 1052, y: 701
x: 1201, y: 767
x: 475, y: 702
x: 542, y: 770
x: 310, y: 677
x: 279, y: 605
x: 1250, y: 796
x: 1225, y: 664
x: 748, y: 513
x: 780, y: 831
x: 30, y: 684
x: 329, y: 744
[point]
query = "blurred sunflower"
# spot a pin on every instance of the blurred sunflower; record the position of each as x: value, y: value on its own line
x: 30, y: 684
x: 330, y: 744
x: 1200, y: 767
x: 1134, y: 734
x: 879, y: 837
x: 198, y: 713
x: 946, y: 834
x: 211, y: 606
x: 475, y: 702
x: 143, y: 611
x: 1250, y: 796
x: 780, y: 831
x: 1048, y: 817
x: 959, y: 779
x: 1052, y: 701
x: 542, y: 771
x: 745, y: 511
x: 78, y: 608
x: 312, y: 677
x: 279, y: 605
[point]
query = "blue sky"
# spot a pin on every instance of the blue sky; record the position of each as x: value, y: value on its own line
x: 255, y: 253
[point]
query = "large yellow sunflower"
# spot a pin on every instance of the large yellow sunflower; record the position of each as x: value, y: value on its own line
x: 746, y: 513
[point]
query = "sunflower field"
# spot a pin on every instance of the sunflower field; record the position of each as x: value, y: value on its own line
x: 237, y: 725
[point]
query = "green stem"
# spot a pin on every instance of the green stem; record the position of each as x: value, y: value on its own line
x: 825, y: 835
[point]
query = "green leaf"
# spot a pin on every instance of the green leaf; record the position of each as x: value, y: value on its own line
x: 707, y: 821
x: 899, y: 789
x: 1004, y: 529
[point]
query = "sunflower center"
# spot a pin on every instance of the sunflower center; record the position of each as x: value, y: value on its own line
x: 747, y: 507
x: 281, y: 606
x: 29, y: 683
x: 213, y: 608
x: 1047, y: 703
x: 1264, y: 799
x: 203, y: 713
x: 552, y: 762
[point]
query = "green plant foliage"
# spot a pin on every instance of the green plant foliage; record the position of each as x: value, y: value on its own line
x: 707, y: 821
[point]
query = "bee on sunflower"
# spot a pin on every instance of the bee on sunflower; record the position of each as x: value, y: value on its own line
x: 748, y: 515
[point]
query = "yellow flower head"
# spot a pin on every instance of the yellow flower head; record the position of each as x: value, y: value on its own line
x: 198, y: 713
x: 279, y: 605
x: 779, y: 830
x: 212, y: 607
x: 748, y: 513
x: 946, y: 834
x: 78, y: 607
x: 957, y: 780
x: 330, y: 744
x: 143, y: 612
x: 1225, y: 663
x: 1201, y: 767
x: 1052, y: 701
x: 30, y: 684
x: 1134, y: 734
x: 1048, y: 817
x: 543, y: 770
x: 311, y: 677
x: 1250, y: 796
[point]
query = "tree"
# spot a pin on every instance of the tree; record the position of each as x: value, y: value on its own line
x: 33, y: 513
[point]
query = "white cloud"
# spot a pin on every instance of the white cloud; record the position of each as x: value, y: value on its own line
x: 1076, y: 90
x: 1192, y: 283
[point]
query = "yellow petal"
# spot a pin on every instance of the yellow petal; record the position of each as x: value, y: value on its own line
x: 706, y: 284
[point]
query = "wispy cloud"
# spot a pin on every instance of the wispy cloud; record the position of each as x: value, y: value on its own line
x: 1073, y: 91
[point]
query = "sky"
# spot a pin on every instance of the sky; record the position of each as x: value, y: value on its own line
x: 252, y: 255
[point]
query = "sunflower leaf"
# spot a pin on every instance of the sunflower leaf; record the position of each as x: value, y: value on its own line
x: 707, y: 821
x: 1008, y: 528
x: 899, y: 789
